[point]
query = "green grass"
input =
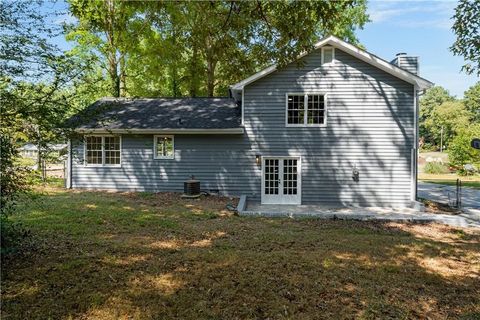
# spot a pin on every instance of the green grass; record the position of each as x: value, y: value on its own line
x: 469, y: 184
x: 101, y: 255
x: 451, y: 179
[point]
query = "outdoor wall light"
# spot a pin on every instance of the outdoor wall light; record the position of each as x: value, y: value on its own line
x: 257, y: 159
x: 355, y: 174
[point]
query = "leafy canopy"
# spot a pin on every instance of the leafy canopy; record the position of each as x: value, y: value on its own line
x: 198, y: 47
x: 467, y: 29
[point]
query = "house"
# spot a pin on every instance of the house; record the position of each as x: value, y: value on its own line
x: 30, y: 150
x: 339, y: 130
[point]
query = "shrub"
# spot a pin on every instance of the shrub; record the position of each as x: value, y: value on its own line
x: 436, y: 168
x: 460, y: 152
x: 12, y: 184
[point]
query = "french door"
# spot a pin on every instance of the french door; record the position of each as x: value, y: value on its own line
x: 281, y: 180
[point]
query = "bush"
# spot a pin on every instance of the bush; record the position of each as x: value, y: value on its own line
x: 436, y: 168
x: 427, y: 147
x: 12, y: 184
x: 460, y: 152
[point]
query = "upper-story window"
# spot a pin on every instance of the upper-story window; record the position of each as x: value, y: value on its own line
x: 328, y: 55
x: 306, y: 109
x: 163, y: 147
x: 102, y: 150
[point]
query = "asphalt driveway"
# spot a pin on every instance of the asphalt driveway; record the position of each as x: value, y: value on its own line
x: 442, y: 193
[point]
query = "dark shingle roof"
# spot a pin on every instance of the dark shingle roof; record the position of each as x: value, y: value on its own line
x: 159, y: 113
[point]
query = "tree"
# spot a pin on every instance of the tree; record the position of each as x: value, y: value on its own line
x: 451, y: 117
x: 460, y: 151
x: 433, y: 98
x: 102, y: 29
x: 472, y: 101
x: 466, y: 27
x: 12, y: 184
x: 37, y: 76
x: 200, y: 48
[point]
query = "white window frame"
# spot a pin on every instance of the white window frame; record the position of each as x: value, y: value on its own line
x: 155, y: 147
x: 305, y: 105
x: 323, y: 56
x: 103, y: 164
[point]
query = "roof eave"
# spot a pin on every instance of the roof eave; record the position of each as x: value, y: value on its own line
x: 363, y: 55
x: 239, y: 130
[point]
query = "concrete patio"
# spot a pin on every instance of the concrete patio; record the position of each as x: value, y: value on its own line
x: 363, y: 214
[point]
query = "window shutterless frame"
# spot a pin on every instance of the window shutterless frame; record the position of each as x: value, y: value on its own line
x: 103, y: 164
x: 155, y: 146
x: 323, y: 55
x: 305, y: 105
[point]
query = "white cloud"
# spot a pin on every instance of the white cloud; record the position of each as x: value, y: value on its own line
x: 399, y: 13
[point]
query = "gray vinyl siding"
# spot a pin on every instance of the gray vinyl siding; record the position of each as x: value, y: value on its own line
x: 407, y: 63
x: 219, y: 162
x: 370, y: 125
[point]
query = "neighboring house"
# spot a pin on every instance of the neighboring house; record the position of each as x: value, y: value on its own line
x: 340, y: 128
x: 30, y: 150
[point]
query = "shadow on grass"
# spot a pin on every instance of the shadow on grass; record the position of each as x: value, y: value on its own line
x: 108, y: 255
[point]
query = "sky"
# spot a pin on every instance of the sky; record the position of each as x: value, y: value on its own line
x: 419, y: 28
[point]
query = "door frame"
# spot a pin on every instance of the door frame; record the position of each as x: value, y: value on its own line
x: 282, y: 200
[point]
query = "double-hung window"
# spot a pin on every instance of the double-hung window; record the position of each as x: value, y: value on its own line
x: 306, y: 109
x: 163, y: 147
x: 102, y: 150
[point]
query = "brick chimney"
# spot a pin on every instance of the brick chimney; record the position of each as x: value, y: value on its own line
x: 406, y: 62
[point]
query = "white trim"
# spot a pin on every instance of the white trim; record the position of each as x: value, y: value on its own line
x: 398, y: 72
x: 85, y: 164
x: 155, y: 157
x: 305, y: 102
x: 69, y: 165
x: 333, y: 56
x: 243, y: 106
x: 281, y: 198
x: 414, y: 152
x: 161, y: 131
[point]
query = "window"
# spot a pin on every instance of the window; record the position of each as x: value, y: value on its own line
x: 316, y: 109
x: 102, y: 150
x: 163, y: 147
x: 296, y: 109
x: 306, y: 109
x: 328, y: 55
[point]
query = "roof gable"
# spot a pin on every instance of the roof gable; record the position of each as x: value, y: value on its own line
x: 360, y: 54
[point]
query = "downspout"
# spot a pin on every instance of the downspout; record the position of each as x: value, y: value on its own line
x: 414, y: 150
x: 416, y: 111
x: 69, y: 165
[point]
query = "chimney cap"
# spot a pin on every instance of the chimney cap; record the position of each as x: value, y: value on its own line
x: 401, y: 54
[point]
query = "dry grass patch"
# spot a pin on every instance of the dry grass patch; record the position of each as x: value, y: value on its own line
x: 101, y: 255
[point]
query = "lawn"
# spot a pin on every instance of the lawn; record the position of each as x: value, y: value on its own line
x: 100, y: 255
x: 451, y: 179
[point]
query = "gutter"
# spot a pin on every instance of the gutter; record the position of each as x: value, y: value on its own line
x: 163, y: 131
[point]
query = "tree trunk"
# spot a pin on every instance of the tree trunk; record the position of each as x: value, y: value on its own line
x: 194, y: 73
x: 173, y: 70
x: 211, y: 65
x: 123, y: 77
x: 114, y: 78
x: 112, y: 51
